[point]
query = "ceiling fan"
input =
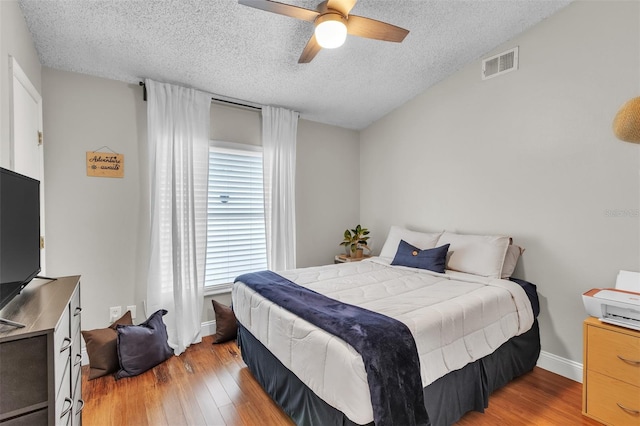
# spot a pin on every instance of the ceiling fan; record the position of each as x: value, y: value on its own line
x: 332, y: 24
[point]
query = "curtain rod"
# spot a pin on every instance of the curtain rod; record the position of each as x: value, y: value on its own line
x: 217, y: 100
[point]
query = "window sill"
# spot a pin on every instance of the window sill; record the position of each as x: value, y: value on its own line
x: 218, y: 289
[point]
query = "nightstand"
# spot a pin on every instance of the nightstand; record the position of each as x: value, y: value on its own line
x: 342, y: 258
x: 611, y: 373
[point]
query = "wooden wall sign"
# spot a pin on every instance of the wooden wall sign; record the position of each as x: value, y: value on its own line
x: 105, y: 164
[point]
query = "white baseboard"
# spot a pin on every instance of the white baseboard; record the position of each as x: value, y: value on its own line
x: 562, y: 366
x: 208, y: 328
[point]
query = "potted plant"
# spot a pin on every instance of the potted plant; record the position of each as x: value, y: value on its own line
x: 355, y: 241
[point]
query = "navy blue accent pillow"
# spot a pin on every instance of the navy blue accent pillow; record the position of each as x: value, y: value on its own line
x: 432, y: 259
x: 142, y: 347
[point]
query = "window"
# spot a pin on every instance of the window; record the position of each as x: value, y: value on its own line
x: 236, y: 242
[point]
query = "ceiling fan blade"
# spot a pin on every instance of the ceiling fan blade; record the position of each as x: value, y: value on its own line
x: 310, y: 50
x: 370, y: 28
x: 342, y: 6
x: 282, y: 9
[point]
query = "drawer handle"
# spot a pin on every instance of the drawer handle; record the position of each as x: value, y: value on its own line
x: 78, y: 359
x: 77, y: 312
x: 628, y: 410
x: 81, y: 401
x: 66, y: 410
x: 628, y: 361
x: 67, y: 346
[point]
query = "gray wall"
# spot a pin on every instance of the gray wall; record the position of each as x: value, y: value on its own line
x: 530, y: 154
x: 327, y: 190
x: 15, y: 40
x: 98, y: 227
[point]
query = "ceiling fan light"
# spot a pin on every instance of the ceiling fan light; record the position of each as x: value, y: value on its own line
x: 331, y: 30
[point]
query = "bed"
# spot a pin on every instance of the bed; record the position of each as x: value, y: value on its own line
x: 473, y: 332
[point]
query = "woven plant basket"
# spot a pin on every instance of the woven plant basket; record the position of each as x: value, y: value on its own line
x: 626, y: 125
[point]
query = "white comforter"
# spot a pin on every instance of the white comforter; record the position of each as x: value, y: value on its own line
x: 455, y: 318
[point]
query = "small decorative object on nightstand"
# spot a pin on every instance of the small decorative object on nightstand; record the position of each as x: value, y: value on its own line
x: 611, y: 373
x: 343, y: 258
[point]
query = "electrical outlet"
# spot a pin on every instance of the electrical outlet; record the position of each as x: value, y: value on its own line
x: 132, y: 309
x: 115, y: 312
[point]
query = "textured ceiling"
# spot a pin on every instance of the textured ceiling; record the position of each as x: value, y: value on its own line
x: 238, y: 52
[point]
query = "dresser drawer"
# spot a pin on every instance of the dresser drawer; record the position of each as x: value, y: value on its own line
x: 23, y: 374
x: 612, y: 401
x: 76, y: 356
x: 64, y: 401
x: 614, y: 354
x: 62, y: 343
x: 78, y: 403
x: 75, y: 311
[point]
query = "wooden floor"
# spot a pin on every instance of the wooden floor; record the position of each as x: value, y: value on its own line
x: 210, y: 385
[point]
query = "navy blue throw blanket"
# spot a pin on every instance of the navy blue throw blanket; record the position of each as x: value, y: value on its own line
x: 532, y: 294
x: 386, y: 345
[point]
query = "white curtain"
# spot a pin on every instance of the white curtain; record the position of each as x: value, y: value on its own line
x: 178, y: 134
x: 279, y: 128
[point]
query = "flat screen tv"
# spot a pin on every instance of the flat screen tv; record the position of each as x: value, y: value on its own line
x: 19, y: 233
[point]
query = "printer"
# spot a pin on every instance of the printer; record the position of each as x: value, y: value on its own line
x: 619, y: 306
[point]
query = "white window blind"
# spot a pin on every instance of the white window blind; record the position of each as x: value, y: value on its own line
x: 236, y: 242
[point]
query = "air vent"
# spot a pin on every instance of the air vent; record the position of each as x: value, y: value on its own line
x: 500, y: 64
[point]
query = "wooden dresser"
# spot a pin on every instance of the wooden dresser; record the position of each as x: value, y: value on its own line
x: 40, y: 380
x: 611, y: 373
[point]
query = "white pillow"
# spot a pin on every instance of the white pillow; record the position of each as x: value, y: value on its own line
x: 476, y: 254
x: 511, y: 260
x: 422, y: 240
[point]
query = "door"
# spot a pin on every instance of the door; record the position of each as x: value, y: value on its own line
x: 25, y: 133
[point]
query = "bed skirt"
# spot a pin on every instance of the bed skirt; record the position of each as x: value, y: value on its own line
x: 447, y: 399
